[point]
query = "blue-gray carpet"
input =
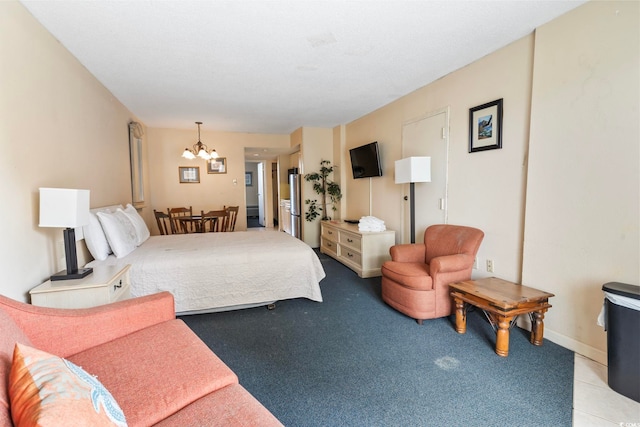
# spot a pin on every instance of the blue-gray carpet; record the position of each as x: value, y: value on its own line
x: 353, y: 361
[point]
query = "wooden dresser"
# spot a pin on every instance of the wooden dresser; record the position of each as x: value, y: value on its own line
x: 362, y: 251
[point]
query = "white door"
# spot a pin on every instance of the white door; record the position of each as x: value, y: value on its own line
x: 427, y: 136
x: 261, y: 194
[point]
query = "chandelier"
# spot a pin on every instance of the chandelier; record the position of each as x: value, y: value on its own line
x: 199, y: 149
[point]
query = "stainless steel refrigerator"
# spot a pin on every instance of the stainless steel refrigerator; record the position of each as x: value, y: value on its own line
x: 296, y: 206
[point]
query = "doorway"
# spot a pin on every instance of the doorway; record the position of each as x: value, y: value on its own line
x: 268, y: 215
x: 261, y: 184
x: 427, y: 136
x: 252, y: 195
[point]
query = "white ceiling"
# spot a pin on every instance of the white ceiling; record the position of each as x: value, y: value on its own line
x: 274, y: 66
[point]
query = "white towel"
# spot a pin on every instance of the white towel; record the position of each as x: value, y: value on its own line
x: 371, y: 223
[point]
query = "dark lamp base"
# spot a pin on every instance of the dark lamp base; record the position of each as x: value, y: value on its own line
x: 77, y: 274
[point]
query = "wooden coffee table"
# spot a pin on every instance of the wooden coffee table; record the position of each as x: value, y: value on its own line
x: 502, y: 303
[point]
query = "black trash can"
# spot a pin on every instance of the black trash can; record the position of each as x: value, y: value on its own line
x: 622, y: 323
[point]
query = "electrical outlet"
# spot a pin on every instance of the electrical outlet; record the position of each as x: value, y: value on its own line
x: 490, y: 265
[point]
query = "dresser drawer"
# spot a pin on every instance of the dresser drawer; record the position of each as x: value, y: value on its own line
x: 330, y: 233
x: 351, y: 240
x: 351, y: 256
x: 329, y: 246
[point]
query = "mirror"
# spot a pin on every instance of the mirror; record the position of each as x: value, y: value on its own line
x: 135, y: 152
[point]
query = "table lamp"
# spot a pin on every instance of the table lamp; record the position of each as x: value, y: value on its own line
x: 66, y: 208
x: 411, y: 170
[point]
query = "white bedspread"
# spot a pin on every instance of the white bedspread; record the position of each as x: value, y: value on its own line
x: 219, y: 270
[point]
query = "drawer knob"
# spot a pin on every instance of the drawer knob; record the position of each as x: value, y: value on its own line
x: 117, y: 285
x: 329, y: 232
x: 350, y: 240
x: 350, y: 255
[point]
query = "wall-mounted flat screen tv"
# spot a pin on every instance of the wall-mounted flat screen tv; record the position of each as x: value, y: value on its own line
x: 365, y: 161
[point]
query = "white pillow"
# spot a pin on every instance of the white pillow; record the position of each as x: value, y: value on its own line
x: 120, y: 232
x: 95, y: 239
x: 142, y: 231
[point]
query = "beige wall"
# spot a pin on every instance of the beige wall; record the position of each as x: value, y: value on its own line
x: 378, y: 196
x: 486, y: 189
x: 575, y: 84
x: 316, y: 145
x: 165, y: 147
x: 59, y: 127
x: 583, y: 190
x: 341, y: 166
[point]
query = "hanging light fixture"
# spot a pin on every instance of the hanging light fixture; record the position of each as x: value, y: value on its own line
x: 199, y: 149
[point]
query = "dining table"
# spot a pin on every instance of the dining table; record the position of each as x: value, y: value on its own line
x: 196, y: 224
x: 191, y: 223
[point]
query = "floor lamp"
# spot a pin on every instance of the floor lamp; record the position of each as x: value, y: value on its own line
x: 411, y: 170
x: 66, y: 208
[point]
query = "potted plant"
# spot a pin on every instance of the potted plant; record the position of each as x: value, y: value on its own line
x: 326, y: 188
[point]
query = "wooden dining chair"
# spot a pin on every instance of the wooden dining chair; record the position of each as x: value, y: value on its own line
x: 178, y: 226
x: 232, y: 214
x: 214, y: 221
x: 162, y: 219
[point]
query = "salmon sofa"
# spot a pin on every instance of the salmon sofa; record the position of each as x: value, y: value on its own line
x: 157, y: 370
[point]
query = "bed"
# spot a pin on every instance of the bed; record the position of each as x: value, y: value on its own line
x: 223, y: 271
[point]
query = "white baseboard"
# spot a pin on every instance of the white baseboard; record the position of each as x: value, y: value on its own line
x: 576, y: 346
x: 568, y: 343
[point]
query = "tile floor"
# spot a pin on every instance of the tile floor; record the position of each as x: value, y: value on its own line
x: 594, y: 403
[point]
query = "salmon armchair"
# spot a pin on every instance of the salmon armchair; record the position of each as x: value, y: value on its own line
x: 416, y: 280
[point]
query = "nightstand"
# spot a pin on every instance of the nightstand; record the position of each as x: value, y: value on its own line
x: 105, y: 285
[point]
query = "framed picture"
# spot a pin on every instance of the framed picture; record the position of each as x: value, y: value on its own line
x: 485, y: 126
x: 218, y: 165
x: 189, y: 174
x: 248, y: 179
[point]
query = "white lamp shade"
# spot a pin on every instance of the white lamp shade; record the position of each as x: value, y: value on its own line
x: 64, y: 207
x: 203, y: 154
x: 413, y: 169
